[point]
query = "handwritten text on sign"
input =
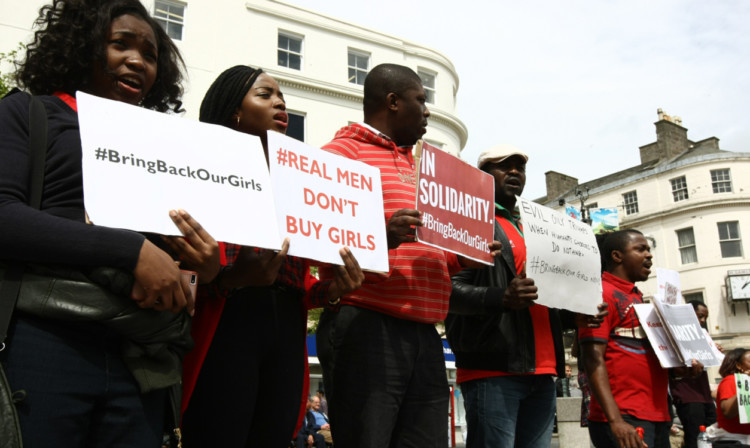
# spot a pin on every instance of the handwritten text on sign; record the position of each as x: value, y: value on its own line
x: 132, y: 179
x: 456, y: 201
x: 742, y: 382
x: 562, y: 257
x: 325, y: 202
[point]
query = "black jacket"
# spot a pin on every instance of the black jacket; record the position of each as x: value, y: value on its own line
x: 487, y: 336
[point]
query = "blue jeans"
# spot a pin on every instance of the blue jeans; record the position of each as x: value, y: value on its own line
x: 78, y: 390
x: 508, y: 411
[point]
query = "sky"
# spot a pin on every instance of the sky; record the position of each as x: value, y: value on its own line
x: 576, y: 84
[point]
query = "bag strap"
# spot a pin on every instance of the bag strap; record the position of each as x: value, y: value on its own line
x: 37, y: 157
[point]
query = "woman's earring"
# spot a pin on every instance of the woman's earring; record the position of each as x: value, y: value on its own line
x: 238, y: 121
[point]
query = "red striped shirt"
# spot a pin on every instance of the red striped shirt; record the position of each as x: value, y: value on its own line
x: 418, y: 285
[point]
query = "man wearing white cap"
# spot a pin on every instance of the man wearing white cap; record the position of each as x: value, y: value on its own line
x: 507, y: 349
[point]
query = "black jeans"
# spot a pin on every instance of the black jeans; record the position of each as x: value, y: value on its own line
x: 389, y: 382
x: 655, y: 434
x: 249, y: 389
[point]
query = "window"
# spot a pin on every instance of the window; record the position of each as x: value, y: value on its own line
x: 428, y: 81
x: 359, y: 65
x: 631, y: 202
x: 171, y: 17
x: 721, y: 181
x: 296, y: 128
x: 729, y: 239
x: 689, y: 297
x: 290, y: 51
x: 679, y: 189
x: 686, y: 243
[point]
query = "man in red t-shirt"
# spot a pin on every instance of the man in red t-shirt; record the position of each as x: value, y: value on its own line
x: 628, y: 384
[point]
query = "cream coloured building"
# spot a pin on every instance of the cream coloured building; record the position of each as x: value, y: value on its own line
x: 692, y: 201
x: 319, y: 61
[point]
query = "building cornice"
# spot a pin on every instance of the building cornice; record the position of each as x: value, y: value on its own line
x: 308, y: 17
x: 651, y: 172
x: 702, y: 206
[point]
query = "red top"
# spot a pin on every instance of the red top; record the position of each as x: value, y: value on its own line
x: 728, y: 389
x: 418, y: 285
x: 637, y: 380
x: 544, y: 346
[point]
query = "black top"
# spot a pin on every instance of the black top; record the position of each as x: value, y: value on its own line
x: 58, y: 233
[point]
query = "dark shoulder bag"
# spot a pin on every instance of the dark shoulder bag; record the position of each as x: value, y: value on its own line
x: 10, y: 428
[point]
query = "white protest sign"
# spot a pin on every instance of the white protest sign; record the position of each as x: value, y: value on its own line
x: 657, y: 335
x: 562, y: 257
x: 685, y: 333
x: 139, y: 164
x: 325, y: 202
x: 668, y: 286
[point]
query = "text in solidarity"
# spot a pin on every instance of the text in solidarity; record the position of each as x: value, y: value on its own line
x: 448, y: 198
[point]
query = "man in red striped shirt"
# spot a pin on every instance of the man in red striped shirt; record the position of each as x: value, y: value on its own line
x: 389, y: 386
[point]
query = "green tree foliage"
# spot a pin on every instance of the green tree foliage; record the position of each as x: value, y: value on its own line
x: 7, y: 69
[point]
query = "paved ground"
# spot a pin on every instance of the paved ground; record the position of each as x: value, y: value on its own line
x: 460, y: 440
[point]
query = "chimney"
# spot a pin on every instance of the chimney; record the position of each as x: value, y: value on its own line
x: 558, y: 184
x: 671, y: 139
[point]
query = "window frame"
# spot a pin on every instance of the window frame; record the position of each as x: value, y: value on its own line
x: 679, y: 189
x: 723, y: 185
x: 303, y: 119
x: 165, y: 21
x: 630, y: 206
x: 687, y: 249
x: 735, y: 243
x: 357, y: 70
x: 291, y: 37
x: 430, y: 91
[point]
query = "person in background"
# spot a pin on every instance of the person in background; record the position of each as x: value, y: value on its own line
x: 563, y: 384
x: 692, y: 396
x: 728, y: 421
x: 323, y: 402
x: 79, y: 391
x: 244, y: 381
x: 308, y: 436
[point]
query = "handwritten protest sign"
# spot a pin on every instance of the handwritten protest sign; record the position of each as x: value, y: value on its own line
x: 685, y: 333
x: 133, y: 176
x: 562, y: 257
x: 742, y: 382
x: 456, y: 201
x: 668, y: 286
x: 325, y: 202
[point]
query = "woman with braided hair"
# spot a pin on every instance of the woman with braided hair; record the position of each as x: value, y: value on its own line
x: 243, y: 382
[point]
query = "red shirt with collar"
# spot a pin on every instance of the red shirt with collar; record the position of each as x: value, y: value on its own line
x: 637, y: 380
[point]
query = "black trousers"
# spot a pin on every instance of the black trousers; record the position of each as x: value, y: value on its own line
x: 249, y: 389
x: 389, y: 382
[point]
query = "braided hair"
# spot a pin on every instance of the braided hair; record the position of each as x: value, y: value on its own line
x: 226, y: 93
